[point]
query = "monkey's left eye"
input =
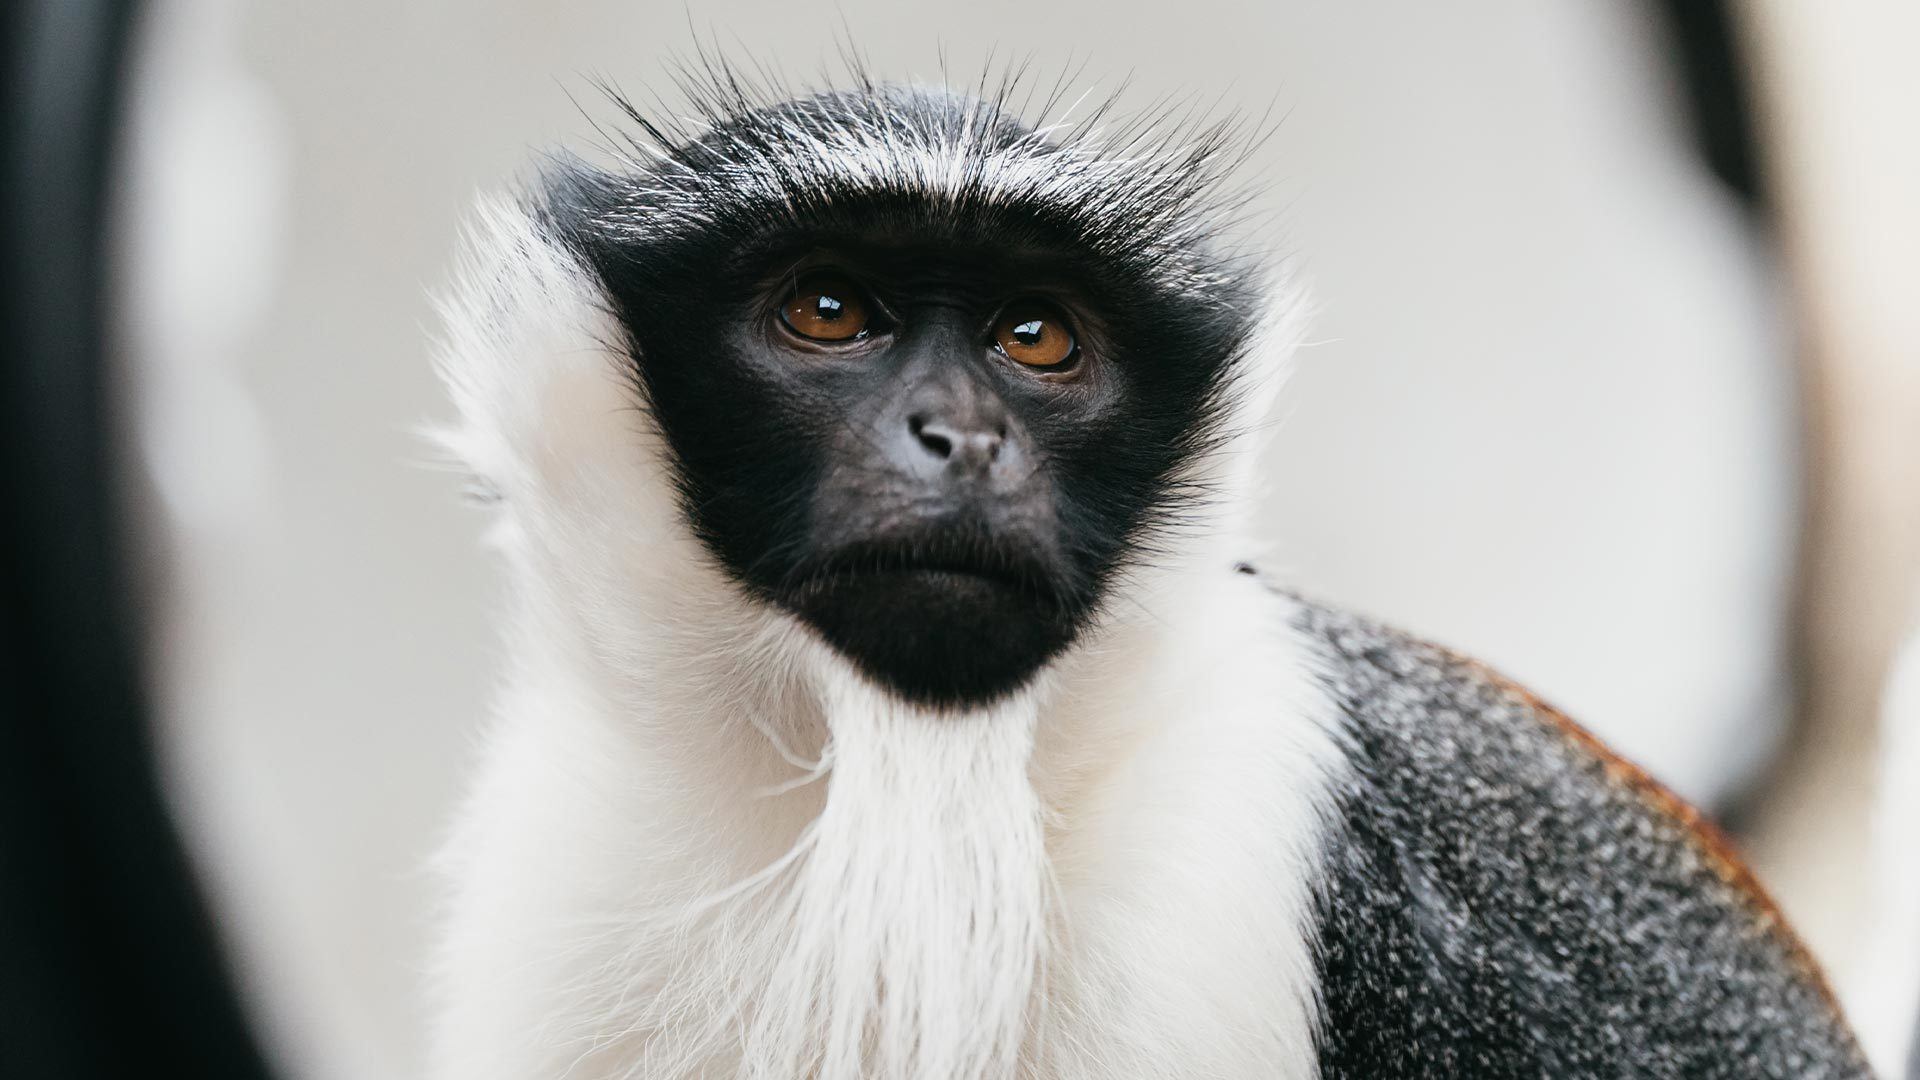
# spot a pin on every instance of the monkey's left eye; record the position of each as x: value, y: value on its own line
x: 826, y: 307
x: 1036, y: 335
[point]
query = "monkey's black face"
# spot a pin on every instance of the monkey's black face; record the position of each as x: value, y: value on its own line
x: 934, y: 437
x: 932, y: 393
x: 933, y: 456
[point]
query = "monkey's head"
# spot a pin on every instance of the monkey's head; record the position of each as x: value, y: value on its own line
x: 929, y: 380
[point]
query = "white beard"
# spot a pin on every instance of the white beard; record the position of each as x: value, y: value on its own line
x: 901, y: 936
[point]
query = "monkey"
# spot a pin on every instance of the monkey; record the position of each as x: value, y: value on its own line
x: 890, y: 687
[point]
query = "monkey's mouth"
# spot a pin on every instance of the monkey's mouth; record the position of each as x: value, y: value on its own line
x: 1004, y: 568
x: 941, y: 621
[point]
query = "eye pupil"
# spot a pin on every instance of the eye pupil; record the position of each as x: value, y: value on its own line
x: 1030, y: 332
x: 826, y: 307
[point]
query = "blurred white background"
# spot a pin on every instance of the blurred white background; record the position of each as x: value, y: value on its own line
x: 1550, y: 414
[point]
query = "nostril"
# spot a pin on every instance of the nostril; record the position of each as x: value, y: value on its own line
x: 934, y: 438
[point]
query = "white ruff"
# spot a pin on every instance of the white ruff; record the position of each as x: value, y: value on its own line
x: 699, y: 845
x: 901, y: 935
x: 908, y: 936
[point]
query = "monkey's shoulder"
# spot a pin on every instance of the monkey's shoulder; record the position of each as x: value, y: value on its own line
x: 1503, y: 896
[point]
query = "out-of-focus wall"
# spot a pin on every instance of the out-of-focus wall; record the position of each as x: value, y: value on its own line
x: 1545, y: 415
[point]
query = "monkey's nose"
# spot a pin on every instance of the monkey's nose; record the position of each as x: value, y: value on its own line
x: 966, y: 446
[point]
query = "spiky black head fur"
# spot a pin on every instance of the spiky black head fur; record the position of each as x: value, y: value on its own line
x: 806, y: 470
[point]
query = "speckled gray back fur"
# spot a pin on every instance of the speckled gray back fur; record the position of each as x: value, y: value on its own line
x: 1504, y: 900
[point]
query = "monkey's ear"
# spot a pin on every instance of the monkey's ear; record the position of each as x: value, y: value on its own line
x: 524, y: 325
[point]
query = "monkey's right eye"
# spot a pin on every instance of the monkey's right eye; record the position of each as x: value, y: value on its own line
x: 826, y: 308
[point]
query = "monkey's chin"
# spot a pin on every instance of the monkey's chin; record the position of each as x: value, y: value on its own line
x: 947, y: 638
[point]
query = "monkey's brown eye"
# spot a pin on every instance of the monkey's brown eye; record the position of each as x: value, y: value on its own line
x: 826, y: 308
x: 1035, y: 335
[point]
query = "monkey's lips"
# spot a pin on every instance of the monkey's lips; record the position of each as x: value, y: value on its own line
x: 997, y: 568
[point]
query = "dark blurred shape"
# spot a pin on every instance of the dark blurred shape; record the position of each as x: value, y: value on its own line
x: 108, y: 963
x: 1713, y: 70
x: 1913, y: 1056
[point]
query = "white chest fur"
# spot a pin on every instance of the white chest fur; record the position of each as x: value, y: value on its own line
x: 1116, y: 885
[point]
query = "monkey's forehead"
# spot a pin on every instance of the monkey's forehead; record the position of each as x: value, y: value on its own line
x: 1142, y: 196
